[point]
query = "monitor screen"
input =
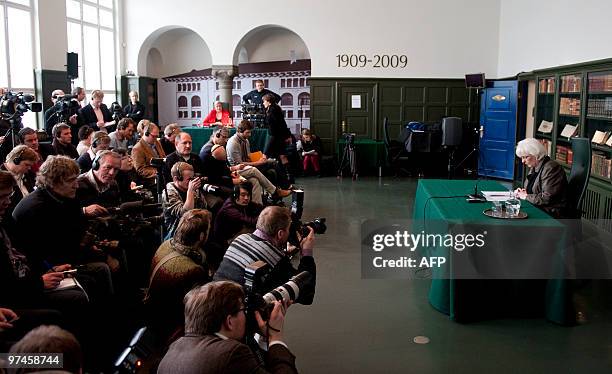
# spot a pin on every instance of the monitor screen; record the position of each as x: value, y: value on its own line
x: 475, y: 80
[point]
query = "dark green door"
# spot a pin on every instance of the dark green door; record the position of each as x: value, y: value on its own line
x: 357, y: 107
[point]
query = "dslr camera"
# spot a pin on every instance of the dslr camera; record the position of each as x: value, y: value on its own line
x: 297, y: 226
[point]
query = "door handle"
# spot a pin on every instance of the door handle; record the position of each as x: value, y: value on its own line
x: 481, y: 131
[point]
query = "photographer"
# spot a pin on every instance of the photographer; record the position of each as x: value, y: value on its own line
x: 96, y: 115
x: 98, y: 185
x: 121, y: 136
x: 62, y: 141
x: 100, y: 142
x: 215, y: 325
x: 134, y: 110
x: 269, y: 244
x: 181, y: 195
x: 237, y: 214
x: 52, y: 114
x: 178, y: 265
x: 148, y: 147
x: 28, y: 137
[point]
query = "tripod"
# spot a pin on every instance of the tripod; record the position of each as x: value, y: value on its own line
x: 349, y: 159
x: 475, y: 150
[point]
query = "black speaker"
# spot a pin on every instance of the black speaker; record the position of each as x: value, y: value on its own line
x: 72, y: 65
x: 452, y: 131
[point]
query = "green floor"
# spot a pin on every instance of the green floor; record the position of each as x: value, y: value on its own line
x: 368, y: 326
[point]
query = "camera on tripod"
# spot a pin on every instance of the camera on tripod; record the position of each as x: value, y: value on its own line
x: 14, y: 105
x: 297, y: 226
x: 349, y: 138
x: 117, y: 111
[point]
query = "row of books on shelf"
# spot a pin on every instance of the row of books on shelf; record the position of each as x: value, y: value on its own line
x: 600, y: 82
x: 602, y: 137
x: 571, y: 83
x: 547, y: 85
x: 569, y: 106
x: 601, y: 165
x: 600, y: 107
x: 564, y: 154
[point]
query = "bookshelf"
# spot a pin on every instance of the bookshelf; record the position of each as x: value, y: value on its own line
x: 579, y: 95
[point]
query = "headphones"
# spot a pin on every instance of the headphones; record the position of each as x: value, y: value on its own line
x: 95, y: 164
x: 17, y: 160
x: 147, y: 129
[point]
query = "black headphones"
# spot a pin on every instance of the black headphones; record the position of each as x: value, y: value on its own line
x: 17, y: 160
x: 146, y: 130
x: 95, y: 164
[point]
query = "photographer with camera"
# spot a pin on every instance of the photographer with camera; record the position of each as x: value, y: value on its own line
x: 134, y: 110
x: 269, y: 243
x: 96, y: 115
x: 215, y: 325
x: 62, y: 141
x: 148, y: 147
x: 181, y: 195
x: 60, y: 107
x: 100, y: 142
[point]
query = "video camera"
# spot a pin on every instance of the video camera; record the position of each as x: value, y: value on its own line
x: 65, y: 106
x: 118, y: 112
x: 349, y: 138
x: 14, y: 105
x: 258, y: 278
x: 297, y: 226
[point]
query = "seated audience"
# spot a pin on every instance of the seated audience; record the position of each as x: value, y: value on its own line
x: 52, y: 339
x: 215, y: 327
x: 60, y: 224
x: 127, y: 176
x: 62, y: 141
x: 237, y: 215
x: 85, y: 135
x: 19, y: 164
x: 546, y: 183
x: 218, y: 116
x: 98, y: 185
x: 96, y: 115
x: 100, y: 142
x: 167, y: 142
x: 148, y: 147
x: 181, y: 195
x: 269, y: 244
x: 217, y: 171
x: 28, y: 137
x: 178, y: 265
x: 134, y: 110
x: 183, y: 153
x: 121, y: 136
x: 310, y: 149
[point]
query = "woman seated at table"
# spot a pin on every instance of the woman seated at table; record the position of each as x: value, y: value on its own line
x: 218, y: 117
x: 546, y: 184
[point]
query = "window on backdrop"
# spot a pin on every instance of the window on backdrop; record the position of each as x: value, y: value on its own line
x: 91, y: 34
x: 16, y: 53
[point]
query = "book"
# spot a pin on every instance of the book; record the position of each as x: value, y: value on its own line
x: 569, y: 131
x: 545, y: 127
x: 599, y: 137
x: 609, y: 141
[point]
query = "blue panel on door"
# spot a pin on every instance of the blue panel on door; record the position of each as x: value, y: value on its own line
x: 498, y: 119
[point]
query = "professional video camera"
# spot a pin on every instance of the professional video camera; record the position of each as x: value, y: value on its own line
x: 349, y: 138
x: 65, y: 106
x: 258, y: 278
x: 254, y: 113
x: 118, y: 112
x: 297, y: 226
x: 141, y: 354
x: 14, y: 105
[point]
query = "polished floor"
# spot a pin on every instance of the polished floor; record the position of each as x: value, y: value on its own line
x: 357, y: 325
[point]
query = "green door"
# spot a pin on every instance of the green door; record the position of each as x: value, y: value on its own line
x: 357, y: 105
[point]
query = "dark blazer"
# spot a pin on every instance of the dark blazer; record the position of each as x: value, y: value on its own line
x: 88, y: 116
x: 85, y: 162
x: 135, y: 112
x: 212, y: 354
x: 256, y: 97
x: 275, y: 120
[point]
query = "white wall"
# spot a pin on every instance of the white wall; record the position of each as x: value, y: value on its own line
x: 441, y: 38
x: 51, y: 43
x: 180, y: 51
x: 548, y: 33
x: 275, y: 44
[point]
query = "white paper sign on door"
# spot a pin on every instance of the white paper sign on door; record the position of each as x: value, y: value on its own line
x: 355, y: 101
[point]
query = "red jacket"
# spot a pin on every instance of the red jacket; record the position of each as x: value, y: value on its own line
x: 212, y: 118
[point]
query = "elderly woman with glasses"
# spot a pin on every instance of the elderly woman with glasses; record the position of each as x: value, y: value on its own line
x: 546, y: 183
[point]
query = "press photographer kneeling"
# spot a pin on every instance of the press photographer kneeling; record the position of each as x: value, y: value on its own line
x: 215, y: 324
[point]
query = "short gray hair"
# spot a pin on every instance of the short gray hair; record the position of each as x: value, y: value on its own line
x: 273, y: 219
x: 530, y: 147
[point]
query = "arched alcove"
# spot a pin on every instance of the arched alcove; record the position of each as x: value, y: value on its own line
x: 270, y: 43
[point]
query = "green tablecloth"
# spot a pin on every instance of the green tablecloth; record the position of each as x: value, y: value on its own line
x: 467, y: 300
x: 370, y: 153
x: 200, y: 136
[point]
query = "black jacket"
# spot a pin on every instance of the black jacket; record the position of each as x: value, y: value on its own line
x: 167, y: 145
x: 173, y: 158
x: 135, y: 112
x: 256, y: 97
x: 64, y: 150
x: 275, y: 121
x: 88, y: 116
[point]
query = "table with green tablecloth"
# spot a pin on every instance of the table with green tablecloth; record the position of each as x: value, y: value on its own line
x: 201, y: 135
x: 370, y: 153
x: 466, y: 300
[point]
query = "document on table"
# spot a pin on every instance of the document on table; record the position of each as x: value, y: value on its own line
x: 497, y: 195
